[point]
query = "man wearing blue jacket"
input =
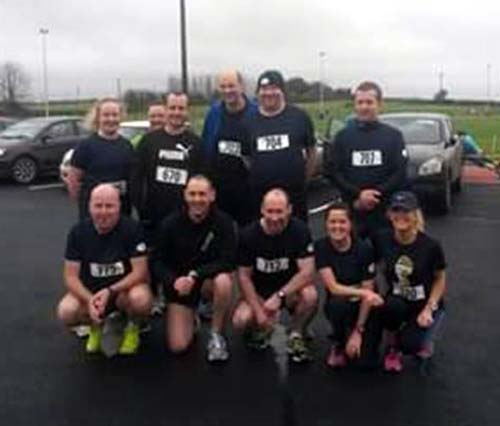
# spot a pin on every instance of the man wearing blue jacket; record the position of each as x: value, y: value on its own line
x: 225, y: 146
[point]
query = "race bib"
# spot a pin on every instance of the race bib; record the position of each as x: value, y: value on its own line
x: 367, y: 158
x: 271, y: 266
x: 105, y: 270
x: 121, y: 185
x: 273, y: 143
x: 412, y: 294
x: 171, y: 154
x: 232, y: 148
x: 171, y: 175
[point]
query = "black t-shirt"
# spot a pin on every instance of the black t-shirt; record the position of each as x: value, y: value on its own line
x: 410, y: 269
x: 208, y: 247
x: 104, y: 160
x: 273, y: 258
x: 368, y: 155
x: 350, y: 267
x: 278, y: 147
x: 104, y: 258
x: 232, y: 143
x: 165, y: 163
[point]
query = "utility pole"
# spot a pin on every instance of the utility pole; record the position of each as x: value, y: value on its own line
x: 44, y: 33
x: 184, y: 70
x: 322, y: 57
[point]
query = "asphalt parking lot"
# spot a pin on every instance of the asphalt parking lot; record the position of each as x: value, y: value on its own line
x: 47, y: 379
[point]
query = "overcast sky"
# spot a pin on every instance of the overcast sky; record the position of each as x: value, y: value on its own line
x: 402, y: 44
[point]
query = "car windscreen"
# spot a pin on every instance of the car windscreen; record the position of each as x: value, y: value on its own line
x: 416, y: 130
x: 26, y: 129
x: 130, y: 132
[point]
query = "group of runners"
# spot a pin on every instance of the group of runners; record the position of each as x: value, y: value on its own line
x: 228, y: 211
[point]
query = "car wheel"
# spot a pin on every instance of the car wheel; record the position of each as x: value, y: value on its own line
x: 443, y: 200
x: 24, y: 170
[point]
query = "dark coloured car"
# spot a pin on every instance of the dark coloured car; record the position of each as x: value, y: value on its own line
x: 435, y: 155
x: 34, y: 147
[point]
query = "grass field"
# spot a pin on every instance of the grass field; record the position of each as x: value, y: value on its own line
x: 480, y: 120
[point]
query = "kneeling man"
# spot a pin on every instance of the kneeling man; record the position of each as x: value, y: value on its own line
x: 276, y: 270
x: 194, y: 255
x: 105, y: 269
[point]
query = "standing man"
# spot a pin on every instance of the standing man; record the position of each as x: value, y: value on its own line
x: 276, y: 270
x: 225, y: 144
x: 105, y: 268
x: 196, y: 247
x: 368, y: 162
x: 282, y: 145
x: 157, y: 120
x: 165, y: 159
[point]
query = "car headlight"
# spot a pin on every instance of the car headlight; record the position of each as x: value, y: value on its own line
x: 431, y: 167
x: 2, y: 151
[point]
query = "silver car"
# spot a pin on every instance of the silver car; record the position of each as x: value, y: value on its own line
x: 435, y: 155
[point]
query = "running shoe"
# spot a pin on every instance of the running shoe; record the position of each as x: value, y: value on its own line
x: 336, y: 357
x: 257, y: 340
x: 426, y: 351
x: 94, y: 339
x: 217, y: 348
x: 81, y: 330
x: 393, y: 361
x: 112, y: 333
x: 131, y: 340
x: 297, y: 348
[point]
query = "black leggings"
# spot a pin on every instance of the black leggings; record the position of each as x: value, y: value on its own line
x: 400, y: 315
x: 342, y: 315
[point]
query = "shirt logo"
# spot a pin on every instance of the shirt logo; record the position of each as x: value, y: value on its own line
x: 105, y: 270
x: 272, y: 266
x: 367, y: 158
x: 273, y: 143
x: 171, y: 154
x: 230, y: 148
x: 171, y: 175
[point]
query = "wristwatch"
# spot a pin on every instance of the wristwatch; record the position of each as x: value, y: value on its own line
x: 433, y: 306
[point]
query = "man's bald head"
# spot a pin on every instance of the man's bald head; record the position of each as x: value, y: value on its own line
x: 104, y: 207
x: 231, y: 89
x: 276, y: 211
x: 107, y: 191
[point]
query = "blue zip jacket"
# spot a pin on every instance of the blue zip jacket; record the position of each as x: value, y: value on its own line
x: 212, y: 124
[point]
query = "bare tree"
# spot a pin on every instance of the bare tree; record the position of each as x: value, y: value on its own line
x: 14, y: 83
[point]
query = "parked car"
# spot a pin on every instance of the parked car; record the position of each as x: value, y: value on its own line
x: 34, y: 147
x: 435, y: 155
x: 130, y: 130
x: 434, y: 151
x: 6, y: 122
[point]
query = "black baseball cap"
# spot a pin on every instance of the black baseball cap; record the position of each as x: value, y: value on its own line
x: 403, y: 200
x: 271, y: 77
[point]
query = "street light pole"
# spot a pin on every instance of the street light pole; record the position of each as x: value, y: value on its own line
x: 183, y: 48
x: 322, y: 57
x: 44, y: 33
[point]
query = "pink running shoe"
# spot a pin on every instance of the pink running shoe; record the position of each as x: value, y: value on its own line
x: 393, y: 361
x: 336, y: 358
x: 426, y: 351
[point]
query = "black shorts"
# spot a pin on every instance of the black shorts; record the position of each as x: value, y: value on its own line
x: 172, y: 296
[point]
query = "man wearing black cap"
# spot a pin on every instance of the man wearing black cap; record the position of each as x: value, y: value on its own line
x: 282, y: 145
x: 368, y: 161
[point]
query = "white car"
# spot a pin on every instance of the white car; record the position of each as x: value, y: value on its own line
x: 128, y: 129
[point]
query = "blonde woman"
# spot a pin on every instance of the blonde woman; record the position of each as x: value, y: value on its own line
x: 104, y: 157
x: 414, y: 268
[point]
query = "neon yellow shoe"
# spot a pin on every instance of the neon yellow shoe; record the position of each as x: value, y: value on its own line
x: 131, y: 340
x: 94, y: 339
